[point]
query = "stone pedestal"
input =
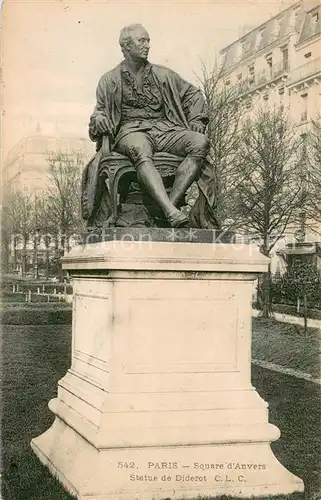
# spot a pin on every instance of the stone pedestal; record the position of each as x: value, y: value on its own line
x: 158, y: 402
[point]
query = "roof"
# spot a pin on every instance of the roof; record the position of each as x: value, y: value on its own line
x: 261, y: 26
x: 311, y: 25
x: 305, y: 24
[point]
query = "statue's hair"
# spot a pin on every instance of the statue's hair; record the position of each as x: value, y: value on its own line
x: 126, y: 32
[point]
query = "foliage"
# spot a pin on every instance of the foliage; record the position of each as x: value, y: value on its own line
x: 292, y: 310
x: 302, y: 279
x: 37, y: 315
x: 269, y: 191
x: 313, y: 172
x: 48, y: 218
x: 19, y: 213
x: 268, y: 196
x: 224, y: 140
x: 20, y: 216
x: 63, y: 201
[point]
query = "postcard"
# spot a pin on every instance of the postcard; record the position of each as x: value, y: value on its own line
x: 160, y: 249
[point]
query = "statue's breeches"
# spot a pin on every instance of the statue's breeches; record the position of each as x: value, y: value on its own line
x: 141, y: 145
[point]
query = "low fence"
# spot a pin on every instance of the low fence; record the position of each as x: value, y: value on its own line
x: 292, y: 320
x: 36, y: 292
x: 293, y: 310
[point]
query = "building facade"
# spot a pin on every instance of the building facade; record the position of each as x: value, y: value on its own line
x: 26, y: 169
x: 26, y: 166
x: 278, y: 64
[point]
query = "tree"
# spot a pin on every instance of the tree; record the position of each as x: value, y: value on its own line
x: 6, y: 236
x: 50, y: 236
x: 63, y: 200
x: 313, y: 172
x: 224, y: 111
x: 48, y: 232
x: 18, y: 213
x: 37, y: 224
x: 22, y: 222
x: 301, y: 282
x: 269, y: 194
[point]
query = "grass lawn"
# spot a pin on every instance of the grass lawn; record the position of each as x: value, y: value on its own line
x: 36, y: 357
x: 285, y: 345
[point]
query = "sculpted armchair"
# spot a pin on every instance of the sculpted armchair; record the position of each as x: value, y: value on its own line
x: 124, y: 202
x: 111, y: 195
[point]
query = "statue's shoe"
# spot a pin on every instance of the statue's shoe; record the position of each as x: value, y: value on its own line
x: 177, y: 219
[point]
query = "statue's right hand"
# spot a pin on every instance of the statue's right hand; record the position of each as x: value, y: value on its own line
x: 102, y: 124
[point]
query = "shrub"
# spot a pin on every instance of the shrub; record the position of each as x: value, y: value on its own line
x: 301, y: 281
x: 292, y: 311
x: 34, y: 305
x: 21, y: 297
x: 36, y: 316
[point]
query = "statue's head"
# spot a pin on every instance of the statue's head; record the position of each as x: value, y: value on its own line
x: 134, y: 42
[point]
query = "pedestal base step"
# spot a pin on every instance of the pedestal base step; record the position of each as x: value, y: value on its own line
x: 155, y: 473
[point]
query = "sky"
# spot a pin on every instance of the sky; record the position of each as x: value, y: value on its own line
x: 54, y: 52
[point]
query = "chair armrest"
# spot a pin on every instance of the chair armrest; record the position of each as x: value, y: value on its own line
x: 105, y: 148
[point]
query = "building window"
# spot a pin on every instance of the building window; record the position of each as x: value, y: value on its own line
x: 245, y: 46
x: 315, y: 22
x: 227, y: 82
x: 265, y: 97
x: 251, y: 71
x: 282, y: 108
x: 307, y: 55
x: 304, y: 117
x: 315, y: 17
x: 285, y: 58
x: 239, y: 77
x: 276, y: 28
x: 304, y: 112
x: 259, y: 38
x: 262, y: 77
x: 269, y: 63
x: 281, y: 90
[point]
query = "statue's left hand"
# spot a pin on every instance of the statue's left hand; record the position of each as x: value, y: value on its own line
x: 197, y: 127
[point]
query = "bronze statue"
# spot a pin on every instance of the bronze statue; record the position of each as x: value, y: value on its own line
x: 142, y: 109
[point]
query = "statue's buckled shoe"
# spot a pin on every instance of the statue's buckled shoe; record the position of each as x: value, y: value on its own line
x: 177, y: 219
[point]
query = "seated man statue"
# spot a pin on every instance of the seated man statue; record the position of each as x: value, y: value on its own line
x: 144, y: 108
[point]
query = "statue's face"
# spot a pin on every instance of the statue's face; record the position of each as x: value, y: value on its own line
x: 138, y: 45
